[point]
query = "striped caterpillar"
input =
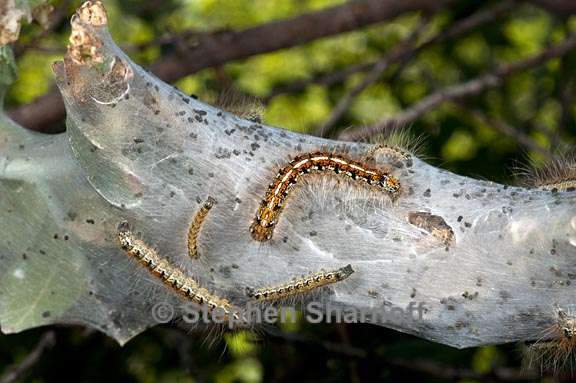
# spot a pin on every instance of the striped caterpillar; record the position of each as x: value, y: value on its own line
x: 300, y: 286
x: 196, y: 226
x: 170, y: 275
x: 271, y: 207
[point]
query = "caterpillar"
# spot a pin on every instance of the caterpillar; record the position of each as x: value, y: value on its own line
x: 555, y: 351
x: 170, y: 275
x: 399, y: 146
x: 300, y: 286
x: 400, y: 157
x: 560, y: 186
x: 196, y: 226
x: 559, y: 175
x: 271, y: 207
x: 243, y: 105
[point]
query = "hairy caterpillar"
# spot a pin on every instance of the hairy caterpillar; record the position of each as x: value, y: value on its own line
x: 301, y: 285
x: 556, y: 176
x: 555, y: 351
x: 196, y: 226
x: 170, y: 275
x: 399, y: 156
x: 560, y: 186
x: 271, y: 207
x: 243, y: 105
x: 399, y: 145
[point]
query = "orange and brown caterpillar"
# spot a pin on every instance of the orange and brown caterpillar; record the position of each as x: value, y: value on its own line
x: 278, y: 191
x: 301, y: 286
x: 196, y: 226
x: 170, y: 275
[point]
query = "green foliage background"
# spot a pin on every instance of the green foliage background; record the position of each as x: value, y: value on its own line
x: 539, y: 102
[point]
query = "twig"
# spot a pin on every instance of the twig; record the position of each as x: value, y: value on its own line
x: 167, y: 39
x: 446, y: 372
x: 566, y: 95
x: 520, y: 137
x: 566, y: 103
x: 562, y: 7
x: 179, y: 338
x: 339, y: 348
x: 216, y: 49
x: 57, y: 17
x: 330, y: 78
x: 342, y: 329
x: 225, y: 47
x: 428, y: 367
x: 461, y: 90
x: 474, y: 21
x: 381, y: 65
x: 42, y: 113
x: 461, y: 27
x: 406, y: 50
x: 46, y: 342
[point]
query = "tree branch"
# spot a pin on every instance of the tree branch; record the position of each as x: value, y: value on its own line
x: 483, y: 263
x: 381, y: 65
x: 560, y: 7
x: 467, y: 89
x: 405, y: 50
x: 433, y: 368
x: 46, y: 342
x: 223, y: 47
x: 460, y: 28
x: 42, y: 113
x: 425, y: 366
x: 330, y: 78
x: 519, y: 136
x: 57, y: 18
